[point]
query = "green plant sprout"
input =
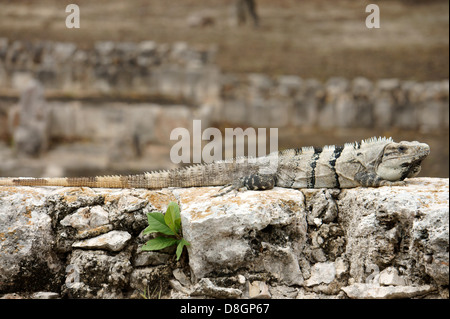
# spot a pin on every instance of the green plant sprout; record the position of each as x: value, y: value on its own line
x: 168, y: 224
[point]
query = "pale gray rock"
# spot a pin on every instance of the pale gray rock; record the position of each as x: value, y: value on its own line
x: 341, y: 266
x: 28, y: 261
x: 113, y: 241
x: 86, y: 218
x: 126, y: 211
x: 321, y: 273
x: 430, y: 235
x: 262, y: 234
x: 387, y: 242
x: 205, y: 287
x: 128, y: 204
x: 283, y: 292
x: 371, y: 291
x: 407, y: 224
x: 181, y: 277
x: 45, y: 295
x: 97, y: 274
x: 282, y: 263
x: 74, y: 197
x: 175, y: 284
x: 150, y: 258
x: 390, y: 277
x: 258, y: 290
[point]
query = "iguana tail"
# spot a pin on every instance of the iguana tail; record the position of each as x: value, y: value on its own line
x: 213, y: 174
x: 104, y: 181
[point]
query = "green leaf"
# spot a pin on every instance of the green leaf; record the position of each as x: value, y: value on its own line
x: 159, y: 243
x: 181, y: 243
x: 156, y: 224
x: 172, y: 217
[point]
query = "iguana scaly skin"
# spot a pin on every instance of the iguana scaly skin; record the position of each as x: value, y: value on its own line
x: 373, y: 162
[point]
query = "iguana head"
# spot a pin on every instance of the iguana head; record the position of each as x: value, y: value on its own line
x: 400, y: 160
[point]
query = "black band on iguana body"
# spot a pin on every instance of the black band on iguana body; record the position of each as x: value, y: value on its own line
x: 337, y: 152
x: 315, y: 157
x: 368, y: 179
x: 259, y: 181
x: 251, y: 182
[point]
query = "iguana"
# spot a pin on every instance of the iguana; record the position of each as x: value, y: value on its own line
x: 370, y: 163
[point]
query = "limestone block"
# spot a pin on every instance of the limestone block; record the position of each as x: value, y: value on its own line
x: 384, y: 223
x: 97, y: 274
x: 260, y: 231
x: 207, y: 288
x: 369, y: 291
x: 113, y: 241
x: 27, y: 258
x: 390, y: 277
x: 321, y: 273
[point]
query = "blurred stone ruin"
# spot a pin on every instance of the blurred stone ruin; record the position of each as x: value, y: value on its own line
x: 125, y: 98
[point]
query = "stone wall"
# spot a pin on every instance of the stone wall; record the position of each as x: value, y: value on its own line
x: 153, y: 70
x: 261, y: 101
x: 181, y: 74
x: 388, y: 242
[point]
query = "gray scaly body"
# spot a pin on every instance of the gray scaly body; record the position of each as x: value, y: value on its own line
x: 373, y: 162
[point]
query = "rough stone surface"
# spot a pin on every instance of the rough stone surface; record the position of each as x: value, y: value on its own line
x: 390, y: 277
x: 388, y: 242
x: 258, y: 231
x: 321, y: 273
x: 258, y: 290
x: 369, y: 291
x: 27, y: 257
x: 206, y: 288
x: 404, y: 227
x: 113, y: 241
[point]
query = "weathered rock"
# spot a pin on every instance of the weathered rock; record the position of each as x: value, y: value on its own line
x: 113, y: 241
x: 398, y: 226
x: 262, y: 232
x: 45, y: 295
x: 69, y: 198
x: 283, y: 292
x: 370, y: 291
x: 153, y: 282
x: 94, y: 273
x: 181, y: 277
x: 86, y: 218
x: 390, y: 277
x: 205, y: 287
x: 321, y: 273
x: 388, y: 242
x: 175, y: 284
x: 258, y: 290
x: 27, y: 259
x: 430, y: 234
x: 150, y: 258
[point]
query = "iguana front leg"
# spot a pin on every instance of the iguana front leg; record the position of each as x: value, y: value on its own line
x: 371, y: 179
x: 250, y: 182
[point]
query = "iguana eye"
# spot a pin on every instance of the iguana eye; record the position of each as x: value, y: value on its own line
x: 401, y: 148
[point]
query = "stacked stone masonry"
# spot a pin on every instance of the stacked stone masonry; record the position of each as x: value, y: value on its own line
x: 388, y: 242
x: 179, y: 74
